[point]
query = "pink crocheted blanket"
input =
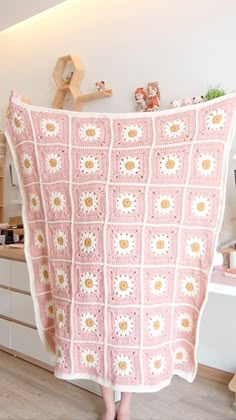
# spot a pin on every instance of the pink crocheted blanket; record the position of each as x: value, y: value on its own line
x: 122, y: 213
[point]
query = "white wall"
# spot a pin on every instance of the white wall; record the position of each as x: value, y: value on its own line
x: 187, y: 45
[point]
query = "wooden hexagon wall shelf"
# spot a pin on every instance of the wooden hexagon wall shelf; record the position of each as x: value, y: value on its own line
x: 68, y: 74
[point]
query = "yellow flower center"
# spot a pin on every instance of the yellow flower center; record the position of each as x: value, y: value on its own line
x: 126, y: 202
x: 59, y: 354
x: 132, y: 133
x: 158, y: 285
x: 45, y: 274
x: 60, y: 240
x: 160, y: 244
x: 174, y: 128
x: 179, y: 355
x: 206, y: 164
x: 122, y: 365
x: 129, y: 166
x: 40, y: 238
x: 217, y: 119
x: 17, y: 123
x: 123, y: 285
x: 88, y: 242
x: 123, y: 325
x: 90, y: 358
x: 61, y: 279
x: 170, y: 164
x: 195, y: 247
x: 201, y: 206
x: 60, y: 318
x: 50, y: 309
x: 50, y: 127
x: 88, y: 201
x: 90, y: 132
x: 57, y: 201
x: 27, y: 163
x: 157, y: 364
x: 185, y: 322
x: 156, y: 325
x: 189, y: 286
x: 124, y: 243
x: 165, y: 204
x: 89, y: 283
x: 53, y: 163
x: 89, y: 164
x: 89, y: 322
x: 34, y: 202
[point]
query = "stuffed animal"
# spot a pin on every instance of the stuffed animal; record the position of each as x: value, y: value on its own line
x: 198, y: 99
x: 187, y: 101
x: 176, y: 103
x: 100, y: 85
x: 214, y: 93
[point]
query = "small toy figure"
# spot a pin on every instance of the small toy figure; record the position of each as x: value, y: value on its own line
x: 214, y: 93
x: 100, y: 85
x: 153, y: 97
x: 198, y: 99
x: 140, y: 98
x: 187, y: 101
x: 67, y: 78
x: 176, y: 103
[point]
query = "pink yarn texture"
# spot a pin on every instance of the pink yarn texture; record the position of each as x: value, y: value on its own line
x: 122, y: 214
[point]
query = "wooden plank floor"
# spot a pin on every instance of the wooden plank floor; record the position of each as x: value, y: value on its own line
x: 29, y: 392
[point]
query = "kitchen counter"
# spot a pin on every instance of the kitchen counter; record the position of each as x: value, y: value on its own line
x: 12, y: 253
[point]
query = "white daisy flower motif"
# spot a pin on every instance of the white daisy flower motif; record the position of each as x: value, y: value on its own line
x: 201, y: 206
x: 44, y: 274
x: 130, y: 165
x: 61, y: 317
x: 49, y: 308
x: 124, y: 243
x: 49, y: 127
x: 206, y: 164
x: 27, y: 163
x: 89, y: 165
x: 60, y: 240
x: 174, y: 129
x: 123, y: 285
x: 181, y: 355
x: 195, y: 247
x: 88, y: 202
x: 39, y: 239
x: 126, y: 203
x: 88, y: 242
x: 17, y: 123
x: 53, y: 163
x: 157, y: 364
x: 61, y: 278
x: 170, y: 164
x: 57, y: 201
x: 132, y: 133
x: 122, y: 365
x: 160, y: 244
x: 34, y: 202
x: 156, y: 325
x: 164, y: 204
x: 185, y: 323
x: 158, y: 285
x: 123, y: 325
x: 90, y: 132
x: 88, y: 322
x: 88, y: 283
x: 189, y: 286
x: 216, y: 119
x: 89, y: 358
x: 60, y: 355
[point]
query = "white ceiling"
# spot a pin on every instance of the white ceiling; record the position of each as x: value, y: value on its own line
x: 14, y: 11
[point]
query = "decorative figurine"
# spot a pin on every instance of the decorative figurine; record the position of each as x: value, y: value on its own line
x: 198, y: 99
x: 176, y: 103
x: 153, y: 97
x: 67, y: 78
x: 140, y: 98
x: 100, y: 85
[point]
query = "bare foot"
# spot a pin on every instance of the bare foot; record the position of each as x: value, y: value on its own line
x: 109, y: 415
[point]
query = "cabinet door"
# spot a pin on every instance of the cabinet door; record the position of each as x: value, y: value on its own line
x: 5, y: 333
x: 5, y: 302
x: 5, y: 272
x: 22, y: 308
x: 20, y: 276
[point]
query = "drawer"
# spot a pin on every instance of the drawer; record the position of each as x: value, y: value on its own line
x: 5, y: 272
x: 20, y: 276
x: 5, y: 333
x: 27, y: 341
x: 22, y: 308
x: 5, y: 302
